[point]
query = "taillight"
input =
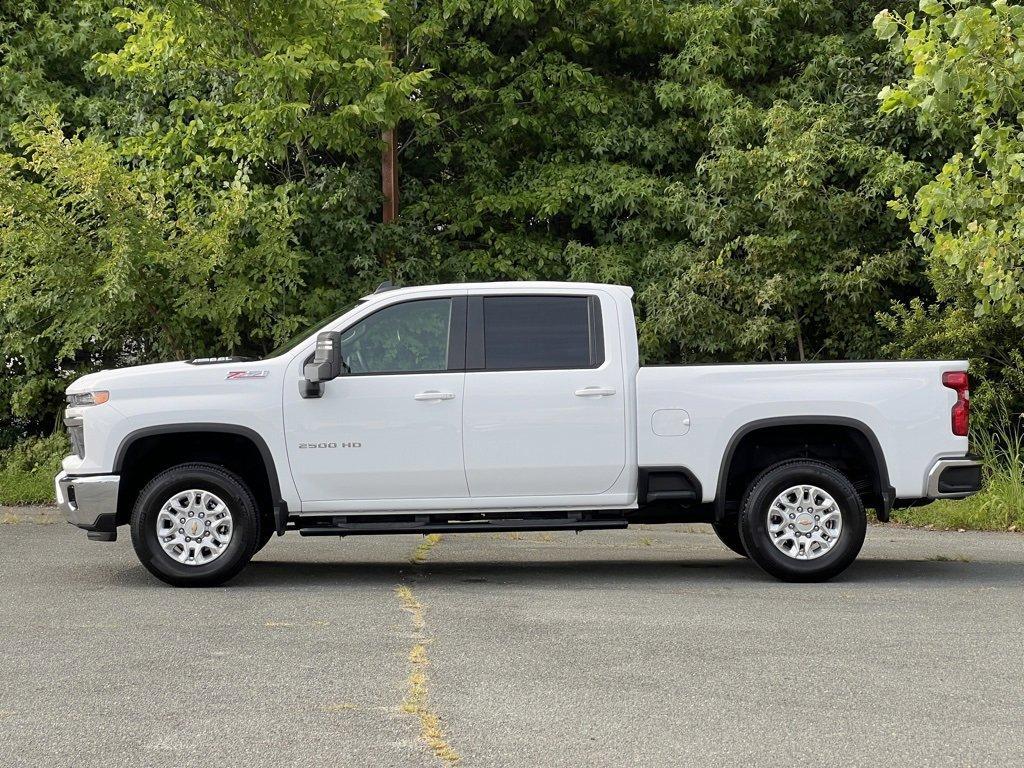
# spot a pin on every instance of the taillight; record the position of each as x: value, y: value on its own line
x: 961, y: 414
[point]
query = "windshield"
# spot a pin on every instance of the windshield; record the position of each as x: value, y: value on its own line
x: 299, y: 336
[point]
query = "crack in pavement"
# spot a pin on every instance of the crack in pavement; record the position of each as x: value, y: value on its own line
x: 417, y: 697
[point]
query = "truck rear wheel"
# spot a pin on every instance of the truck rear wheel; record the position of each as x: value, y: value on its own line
x: 728, y: 532
x: 195, y: 525
x: 802, y: 520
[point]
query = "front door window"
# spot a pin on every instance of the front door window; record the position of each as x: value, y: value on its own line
x: 411, y: 337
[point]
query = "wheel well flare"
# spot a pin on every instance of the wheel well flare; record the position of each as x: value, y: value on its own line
x: 143, y: 455
x: 846, y: 445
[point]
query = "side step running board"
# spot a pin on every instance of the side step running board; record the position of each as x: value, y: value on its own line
x: 347, y: 528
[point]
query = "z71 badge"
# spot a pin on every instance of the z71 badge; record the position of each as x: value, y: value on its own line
x: 248, y: 374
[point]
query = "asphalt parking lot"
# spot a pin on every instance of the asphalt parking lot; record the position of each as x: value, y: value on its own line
x: 652, y: 646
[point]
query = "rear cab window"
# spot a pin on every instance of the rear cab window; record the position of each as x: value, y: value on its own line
x: 535, y: 332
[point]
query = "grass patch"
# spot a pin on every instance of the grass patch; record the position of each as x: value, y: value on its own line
x: 27, y: 470
x: 419, y: 554
x: 417, y: 695
x: 984, y: 512
x: 1000, y: 504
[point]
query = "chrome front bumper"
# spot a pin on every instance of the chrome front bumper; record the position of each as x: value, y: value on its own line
x: 954, y: 478
x: 89, y: 502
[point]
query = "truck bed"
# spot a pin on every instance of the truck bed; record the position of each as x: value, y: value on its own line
x: 688, y: 415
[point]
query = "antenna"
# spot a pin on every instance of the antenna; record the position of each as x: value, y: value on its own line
x: 384, y: 287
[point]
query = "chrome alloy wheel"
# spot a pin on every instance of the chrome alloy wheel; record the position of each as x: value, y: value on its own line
x: 804, y: 522
x: 194, y: 527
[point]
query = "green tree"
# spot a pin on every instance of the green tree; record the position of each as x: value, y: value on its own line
x: 963, y: 84
x: 46, y: 50
x: 45, y: 54
x: 724, y: 158
x: 190, y: 177
x: 204, y: 183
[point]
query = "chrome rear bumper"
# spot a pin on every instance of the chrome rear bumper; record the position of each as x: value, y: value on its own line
x: 954, y: 478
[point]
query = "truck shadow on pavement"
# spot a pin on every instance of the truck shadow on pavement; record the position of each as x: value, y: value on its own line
x: 572, y: 573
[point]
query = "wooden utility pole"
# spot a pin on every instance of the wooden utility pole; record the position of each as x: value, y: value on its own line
x: 389, y: 175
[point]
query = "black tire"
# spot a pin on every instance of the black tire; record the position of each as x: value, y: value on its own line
x: 753, y: 521
x: 231, y: 489
x: 728, y: 532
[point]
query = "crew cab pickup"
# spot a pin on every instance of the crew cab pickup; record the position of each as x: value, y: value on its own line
x: 504, y: 407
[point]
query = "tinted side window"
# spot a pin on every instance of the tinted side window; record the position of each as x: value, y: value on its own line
x: 538, y: 332
x: 403, y: 338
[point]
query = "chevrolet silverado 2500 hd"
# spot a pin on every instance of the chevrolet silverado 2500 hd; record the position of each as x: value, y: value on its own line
x: 504, y: 407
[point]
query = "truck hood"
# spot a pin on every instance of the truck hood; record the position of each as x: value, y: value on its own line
x: 179, y: 370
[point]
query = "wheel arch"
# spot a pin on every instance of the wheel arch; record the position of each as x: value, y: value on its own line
x: 880, y: 481
x: 165, y: 435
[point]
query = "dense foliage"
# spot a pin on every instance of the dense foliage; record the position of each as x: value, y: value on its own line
x: 183, y: 179
x: 726, y: 159
x: 964, y: 84
x: 193, y: 177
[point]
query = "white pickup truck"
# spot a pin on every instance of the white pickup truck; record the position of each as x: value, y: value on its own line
x: 504, y: 407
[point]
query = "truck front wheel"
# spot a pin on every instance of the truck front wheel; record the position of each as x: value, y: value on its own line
x: 802, y: 520
x: 195, y: 525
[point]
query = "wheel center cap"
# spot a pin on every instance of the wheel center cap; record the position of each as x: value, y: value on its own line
x: 194, y: 528
x: 804, y: 523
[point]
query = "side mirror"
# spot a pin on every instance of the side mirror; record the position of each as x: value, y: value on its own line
x: 326, y: 364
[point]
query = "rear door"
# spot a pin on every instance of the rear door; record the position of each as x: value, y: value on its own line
x: 544, y: 409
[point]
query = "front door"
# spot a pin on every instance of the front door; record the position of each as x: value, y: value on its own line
x: 391, y: 427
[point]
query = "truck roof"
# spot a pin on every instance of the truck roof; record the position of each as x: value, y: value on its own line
x: 510, y: 285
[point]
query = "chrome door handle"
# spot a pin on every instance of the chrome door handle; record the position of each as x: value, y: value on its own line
x: 595, y: 392
x: 433, y: 394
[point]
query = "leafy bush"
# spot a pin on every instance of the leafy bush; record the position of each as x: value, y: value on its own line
x: 27, y: 470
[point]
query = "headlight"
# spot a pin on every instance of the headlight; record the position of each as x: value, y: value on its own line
x: 89, y: 398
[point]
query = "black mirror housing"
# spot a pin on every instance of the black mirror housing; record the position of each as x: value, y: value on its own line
x: 326, y: 364
x: 327, y: 358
